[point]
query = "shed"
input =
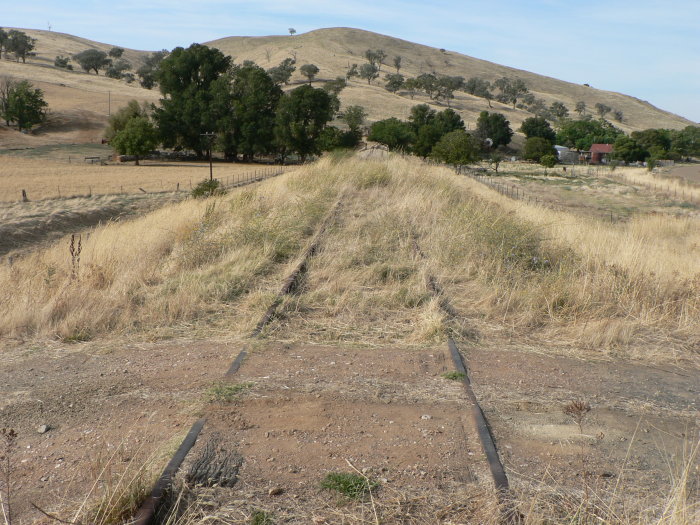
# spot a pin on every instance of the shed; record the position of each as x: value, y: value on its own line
x: 600, y: 153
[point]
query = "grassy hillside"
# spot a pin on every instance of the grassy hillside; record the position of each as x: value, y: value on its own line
x: 332, y: 50
x: 80, y: 102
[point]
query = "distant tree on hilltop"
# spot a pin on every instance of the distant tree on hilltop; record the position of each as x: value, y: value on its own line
x: 20, y: 44
x: 116, y: 52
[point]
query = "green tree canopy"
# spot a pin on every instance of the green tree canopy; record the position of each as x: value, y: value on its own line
x: 301, y: 116
x: 354, y: 117
x: 456, y: 148
x: 25, y: 105
x: 282, y: 73
x: 309, y: 71
x: 196, y: 96
x: 421, y: 115
x: 559, y: 110
x: 510, y: 89
x: 117, y: 121
x: 251, y: 121
x: 538, y: 127
x: 478, y: 87
x: 629, y: 150
x: 656, y: 141
x: 334, y: 87
x: 538, y: 147
x: 116, y: 52
x: 392, y: 132
x: 138, y: 137
x: 394, y: 82
x: 686, y: 142
x: 580, y: 108
x: 580, y: 134
x: 602, y: 109
x: 117, y: 68
x: 148, y: 72
x: 493, y: 126
x: 92, y: 60
x: 20, y: 44
x: 369, y: 72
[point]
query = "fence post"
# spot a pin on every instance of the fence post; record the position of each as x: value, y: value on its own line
x: 24, y: 196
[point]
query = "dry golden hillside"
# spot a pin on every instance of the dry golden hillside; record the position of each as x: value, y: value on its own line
x: 80, y: 102
x: 332, y: 50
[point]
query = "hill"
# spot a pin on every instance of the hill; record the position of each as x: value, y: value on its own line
x: 80, y: 102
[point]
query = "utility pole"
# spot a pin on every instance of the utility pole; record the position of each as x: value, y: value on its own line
x: 210, y: 136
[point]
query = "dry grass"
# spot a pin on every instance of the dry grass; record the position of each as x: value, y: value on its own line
x: 676, y: 188
x: 44, y: 179
x: 178, y: 263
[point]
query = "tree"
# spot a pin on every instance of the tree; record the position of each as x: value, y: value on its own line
x: 4, y: 37
x: 248, y: 126
x: 116, y: 52
x: 411, y: 86
x: 602, y: 109
x: 92, y: 59
x: 62, y: 62
x: 117, y: 121
x: 656, y: 141
x: 7, y: 86
x: 351, y: 72
x: 618, y: 115
x: 493, y: 126
x: 421, y: 115
x: 428, y: 83
x: 686, y: 142
x: 196, y: 96
x: 334, y: 87
x: 117, y: 69
x: 354, y: 117
x: 559, y: 110
x: 629, y: 150
x: 394, y: 82
x: 25, y: 105
x: 478, y: 87
x: 282, y: 73
x: 369, y: 72
x: 548, y: 161
x: 20, y: 44
x: 511, y: 89
x: 148, y: 73
x: 376, y: 58
x: 580, y: 108
x: 456, y: 148
x: 138, y: 138
x: 538, y: 147
x: 309, y: 71
x: 301, y: 116
x: 292, y: 31
x: 397, y: 63
x: 393, y: 133
x: 580, y: 134
x: 538, y: 127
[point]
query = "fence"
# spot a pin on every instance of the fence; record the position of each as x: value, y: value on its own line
x: 184, y: 184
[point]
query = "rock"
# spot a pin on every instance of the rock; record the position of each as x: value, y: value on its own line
x: 275, y: 491
x: 426, y: 416
x: 43, y: 429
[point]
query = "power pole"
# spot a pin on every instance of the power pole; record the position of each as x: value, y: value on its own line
x: 210, y: 136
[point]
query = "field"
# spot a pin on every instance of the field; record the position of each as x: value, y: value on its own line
x: 551, y: 306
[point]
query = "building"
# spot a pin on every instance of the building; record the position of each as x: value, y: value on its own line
x: 600, y: 153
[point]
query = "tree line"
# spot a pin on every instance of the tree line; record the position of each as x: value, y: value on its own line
x: 209, y: 102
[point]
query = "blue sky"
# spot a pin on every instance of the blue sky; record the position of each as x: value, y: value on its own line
x: 647, y: 49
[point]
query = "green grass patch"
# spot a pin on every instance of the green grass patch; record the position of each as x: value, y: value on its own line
x: 226, y: 392
x: 350, y: 485
x: 454, y: 375
x: 261, y: 517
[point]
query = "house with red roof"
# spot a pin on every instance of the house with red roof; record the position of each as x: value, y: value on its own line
x: 600, y: 153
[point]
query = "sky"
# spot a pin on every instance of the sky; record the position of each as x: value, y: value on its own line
x: 646, y: 49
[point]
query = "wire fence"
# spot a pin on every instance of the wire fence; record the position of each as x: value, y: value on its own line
x: 112, y: 187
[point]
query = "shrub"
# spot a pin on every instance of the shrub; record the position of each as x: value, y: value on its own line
x: 350, y: 485
x: 208, y: 188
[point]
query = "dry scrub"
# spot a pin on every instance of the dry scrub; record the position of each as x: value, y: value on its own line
x: 176, y: 264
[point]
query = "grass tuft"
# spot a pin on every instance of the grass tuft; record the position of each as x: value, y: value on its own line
x: 352, y: 486
x: 221, y: 392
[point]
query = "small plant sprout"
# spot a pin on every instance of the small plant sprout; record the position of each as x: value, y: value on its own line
x: 453, y: 375
x: 352, y: 486
x: 577, y: 411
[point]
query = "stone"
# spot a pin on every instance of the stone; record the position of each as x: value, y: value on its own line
x: 275, y: 491
x: 43, y: 429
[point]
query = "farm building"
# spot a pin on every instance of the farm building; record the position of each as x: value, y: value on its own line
x: 600, y: 153
x: 566, y: 155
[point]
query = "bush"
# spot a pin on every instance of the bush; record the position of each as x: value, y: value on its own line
x: 208, y: 188
x: 538, y: 147
x: 548, y: 161
x: 457, y: 147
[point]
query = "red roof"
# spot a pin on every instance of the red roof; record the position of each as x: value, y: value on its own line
x: 601, y: 148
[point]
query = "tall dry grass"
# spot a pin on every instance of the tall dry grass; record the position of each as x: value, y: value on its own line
x: 576, y: 281
x: 176, y: 264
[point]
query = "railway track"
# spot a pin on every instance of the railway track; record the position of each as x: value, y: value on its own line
x: 148, y: 510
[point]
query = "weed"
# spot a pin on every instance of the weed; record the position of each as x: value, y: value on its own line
x: 453, y: 375
x: 261, y: 517
x: 80, y: 335
x: 226, y: 392
x: 577, y: 411
x: 8, y: 444
x: 350, y: 485
x: 75, y: 250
